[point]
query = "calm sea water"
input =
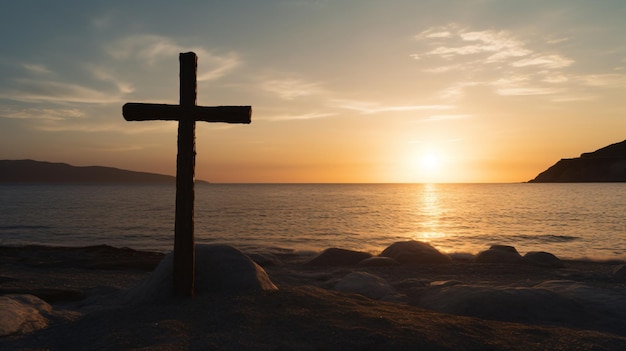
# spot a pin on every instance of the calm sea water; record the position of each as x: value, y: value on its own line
x: 569, y: 220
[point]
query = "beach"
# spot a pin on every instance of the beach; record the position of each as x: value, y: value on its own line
x: 329, y: 301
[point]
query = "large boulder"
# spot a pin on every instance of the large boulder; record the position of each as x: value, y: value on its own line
x: 366, y: 284
x: 499, y: 254
x: 20, y: 314
x: 543, y: 259
x: 411, y: 252
x: 619, y: 273
x: 379, y: 262
x: 338, y: 257
x: 525, y: 305
x: 219, y: 268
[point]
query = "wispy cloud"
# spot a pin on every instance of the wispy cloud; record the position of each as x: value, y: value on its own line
x: 292, y: 88
x: 367, y: 107
x: 29, y: 90
x: 41, y: 113
x: 37, y: 68
x: 438, y: 118
x: 103, y: 74
x: 508, y: 64
x: 152, y: 49
x: 298, y: 117
x: 545, y: 61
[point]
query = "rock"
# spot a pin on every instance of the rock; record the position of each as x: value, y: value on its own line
x: 526, y: 305
x: 225, y: 268
x: 543, y: 259
x: 266, y: 260
x: 410, y: 252
x: 619, y: 273
x: 499, y: 254
x: 338, y: 257
x: 219, y: 268
x: 378, y: 262
x: 366, y: 284
x: 607, y: 164
x: 20, y: 314
x: 50, y: 295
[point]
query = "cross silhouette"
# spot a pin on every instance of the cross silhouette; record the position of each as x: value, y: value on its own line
x: 186, y: 113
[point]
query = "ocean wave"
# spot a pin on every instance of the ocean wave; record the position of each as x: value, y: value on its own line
x: 549, y: 238
x: 19, y: 227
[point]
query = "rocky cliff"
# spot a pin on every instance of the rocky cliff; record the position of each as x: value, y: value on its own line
x: 607, y: 164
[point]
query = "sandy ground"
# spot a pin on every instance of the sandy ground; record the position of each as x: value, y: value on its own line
x: 306, y: 313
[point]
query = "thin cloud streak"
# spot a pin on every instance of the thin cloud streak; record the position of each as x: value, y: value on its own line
x: 507, y: 64
x: 36, y: 91
x: 301, y: 117
x: 41, y: 113
x: 291, y: 88
x: 366, y: 107
x: 153, y: 49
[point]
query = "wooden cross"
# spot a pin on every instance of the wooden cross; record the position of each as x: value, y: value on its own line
x: 186, y: 113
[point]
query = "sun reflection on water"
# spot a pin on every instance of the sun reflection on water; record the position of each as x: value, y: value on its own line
x: 430, y: 211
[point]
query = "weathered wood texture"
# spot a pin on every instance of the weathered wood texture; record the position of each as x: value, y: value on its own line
x: 184, y: 253
x: 186, y: 113
x: 148, y: 112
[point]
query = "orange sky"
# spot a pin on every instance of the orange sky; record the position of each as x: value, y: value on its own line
x: 341, y: 91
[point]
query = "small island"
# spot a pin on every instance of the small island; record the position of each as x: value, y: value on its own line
x: 30, y: 171
x: 607, y: 164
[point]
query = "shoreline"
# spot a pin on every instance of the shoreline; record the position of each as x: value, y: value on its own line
x: 309, y: 307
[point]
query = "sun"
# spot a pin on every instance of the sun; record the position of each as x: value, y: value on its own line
x: 430, y: 162
x: 425, y: 165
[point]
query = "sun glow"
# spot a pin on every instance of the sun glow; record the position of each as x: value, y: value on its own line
x: 430, y: 162
x: 426, y: 166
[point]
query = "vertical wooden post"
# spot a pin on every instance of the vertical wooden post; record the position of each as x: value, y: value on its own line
x: 184, y: 252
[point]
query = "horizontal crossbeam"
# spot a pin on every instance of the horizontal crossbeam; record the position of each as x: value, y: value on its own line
x: 149, y: 112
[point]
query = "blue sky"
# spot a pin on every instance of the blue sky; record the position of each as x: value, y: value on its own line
x: 342, y: 91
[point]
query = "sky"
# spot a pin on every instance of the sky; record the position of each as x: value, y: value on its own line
x: 341, y: 90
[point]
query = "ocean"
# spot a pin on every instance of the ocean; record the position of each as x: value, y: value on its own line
x: 568, y: 220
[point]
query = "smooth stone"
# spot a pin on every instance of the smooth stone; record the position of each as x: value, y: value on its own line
x: 379, y: 262
x: 219, y: 268
x: 20, y: 314
x: 619, y: 273
x: 499, y: 254
x: 543, y: 259
x: 366, y: 284
x: 526, y: 305
x: 334, y: 257
x: 412, y: 252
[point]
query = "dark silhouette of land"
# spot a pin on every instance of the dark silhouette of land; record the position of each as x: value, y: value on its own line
x: 30, y: 171
x: 607, y: 164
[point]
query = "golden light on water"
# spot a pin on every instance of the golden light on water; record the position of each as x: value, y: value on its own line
x: 430, y: 208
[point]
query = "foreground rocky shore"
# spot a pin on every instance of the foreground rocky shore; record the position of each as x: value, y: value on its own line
x: 410, y: 296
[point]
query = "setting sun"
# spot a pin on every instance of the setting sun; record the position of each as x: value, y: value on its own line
x: 430, y: 162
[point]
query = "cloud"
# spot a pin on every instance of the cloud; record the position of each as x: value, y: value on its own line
x: 94, y: 126
x: 103, y: 74
x: 438, y: 118
x: 367, y: 107
x: 152, y: 49
x: 37, y: 68
x: 29, y: 90
x: 300, y: 117
x: 290, y: 89
x: 546, y: 61
x: 603, y: 80
x: 507, y: 63
x: 523, y: 91
x: 41, y: 113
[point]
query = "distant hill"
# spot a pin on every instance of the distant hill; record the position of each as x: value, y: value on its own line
x: 607, y: 164
x: 29, y: 171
